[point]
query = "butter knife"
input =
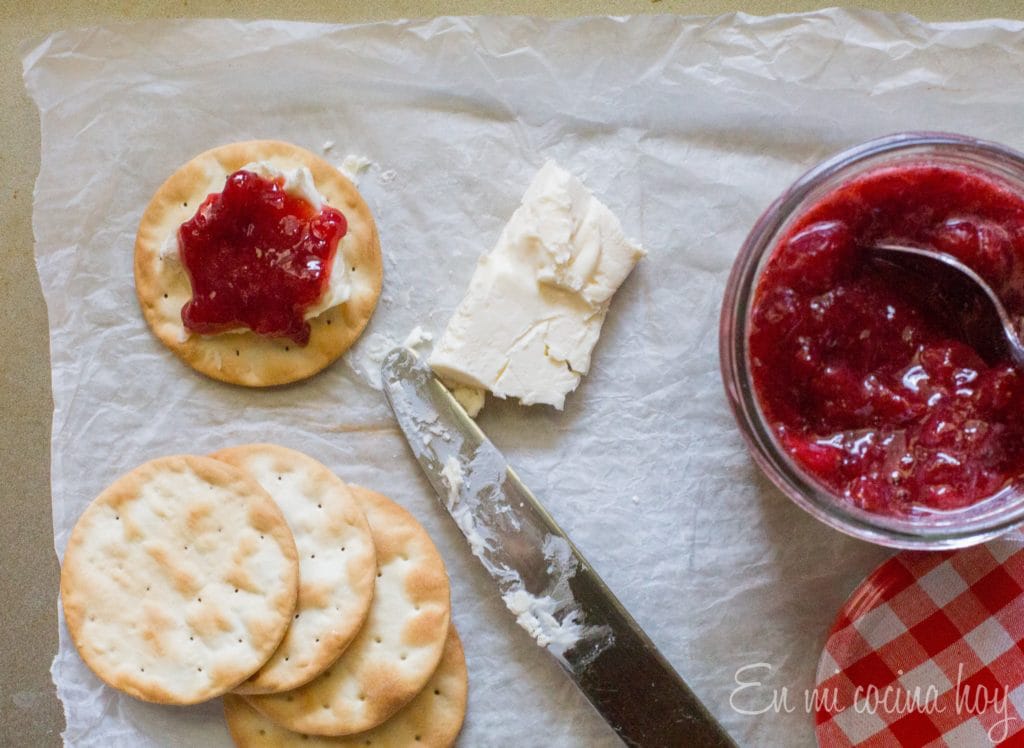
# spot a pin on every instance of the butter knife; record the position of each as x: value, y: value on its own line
x: 544, y: 580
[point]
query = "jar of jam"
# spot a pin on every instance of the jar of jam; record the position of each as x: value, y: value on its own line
x: 857, y: 384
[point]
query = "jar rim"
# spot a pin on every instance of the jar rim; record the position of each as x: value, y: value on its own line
x: 927, y: 529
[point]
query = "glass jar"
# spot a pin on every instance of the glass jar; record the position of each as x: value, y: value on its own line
x: 928, y: 529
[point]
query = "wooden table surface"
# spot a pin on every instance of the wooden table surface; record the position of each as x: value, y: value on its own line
x: 30, y: 714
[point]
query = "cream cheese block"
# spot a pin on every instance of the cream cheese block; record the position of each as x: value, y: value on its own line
x: 536, y: 303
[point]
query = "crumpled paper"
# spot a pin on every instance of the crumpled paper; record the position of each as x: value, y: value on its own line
x: 686, y: 128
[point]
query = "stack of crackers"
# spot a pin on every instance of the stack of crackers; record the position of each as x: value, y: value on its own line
x: 319, y: 610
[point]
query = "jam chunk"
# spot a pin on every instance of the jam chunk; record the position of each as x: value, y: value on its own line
x: 257, y: 258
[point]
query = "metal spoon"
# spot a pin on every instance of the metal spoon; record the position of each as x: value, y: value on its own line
x: 950, y: 272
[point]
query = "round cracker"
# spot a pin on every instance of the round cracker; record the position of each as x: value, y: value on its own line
x: 246, y: 358
x: 179, y: 580
x: 432, y: 719
x: 397, y: 649
x: 337, y: 562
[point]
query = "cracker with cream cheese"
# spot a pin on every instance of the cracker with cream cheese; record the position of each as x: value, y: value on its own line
x: 399, y: 646
x: 179, y: 580
x: 337, y: 562
x: 432, y: 719
x: 244, y: 357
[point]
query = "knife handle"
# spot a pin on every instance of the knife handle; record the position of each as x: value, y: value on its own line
x: 631, y: 684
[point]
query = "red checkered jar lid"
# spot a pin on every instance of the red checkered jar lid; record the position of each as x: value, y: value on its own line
x: 928, y: 651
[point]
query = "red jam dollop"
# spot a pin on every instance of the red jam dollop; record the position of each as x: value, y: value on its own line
x: 257, y: 258
x: 864, y: 371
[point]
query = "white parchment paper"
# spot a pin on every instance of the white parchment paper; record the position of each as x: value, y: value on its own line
x: 687, y: 128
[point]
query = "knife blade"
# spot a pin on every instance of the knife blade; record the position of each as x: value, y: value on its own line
x: 544, y: 580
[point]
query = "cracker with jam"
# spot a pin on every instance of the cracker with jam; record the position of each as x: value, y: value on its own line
x: 257, y: 263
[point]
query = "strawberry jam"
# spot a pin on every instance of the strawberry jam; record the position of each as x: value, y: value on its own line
x: 257, y: 258
x: 866, y: 372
